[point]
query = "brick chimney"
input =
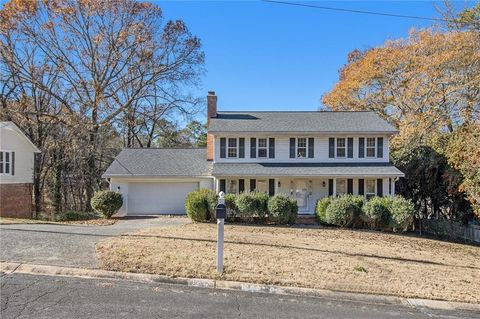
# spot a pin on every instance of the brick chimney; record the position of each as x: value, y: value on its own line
x: 211, y: 112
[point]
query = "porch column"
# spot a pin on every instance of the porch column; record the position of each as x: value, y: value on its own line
x: 216, y: 185
x: 334, y: 190
x: 276, y: 186
x: 392, y: 186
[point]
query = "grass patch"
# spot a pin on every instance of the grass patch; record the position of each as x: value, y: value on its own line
x: 325, y: 258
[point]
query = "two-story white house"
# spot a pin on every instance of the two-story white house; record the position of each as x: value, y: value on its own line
x: 305, y: 155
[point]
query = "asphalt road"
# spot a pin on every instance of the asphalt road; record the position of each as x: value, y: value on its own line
x: 34, y: 296
x: 66, y: 245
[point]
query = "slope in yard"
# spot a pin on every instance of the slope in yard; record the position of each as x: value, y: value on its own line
x: 337, y: 259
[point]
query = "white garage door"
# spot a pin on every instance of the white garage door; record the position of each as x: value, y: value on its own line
x: 158, y: 198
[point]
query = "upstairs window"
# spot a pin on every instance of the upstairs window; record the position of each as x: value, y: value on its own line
x: 262, y: 148
x: 371, y: 146
x: 341, y: 147
x: 5, y: 162
x: 302, y: 147
x: 232, y: 147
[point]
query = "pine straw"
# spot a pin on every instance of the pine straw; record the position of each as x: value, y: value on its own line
x: 89, y: 222
x: 337, y: 259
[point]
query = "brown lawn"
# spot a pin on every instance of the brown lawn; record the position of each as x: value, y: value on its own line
x: 90, y: 222
x: 327, y: 258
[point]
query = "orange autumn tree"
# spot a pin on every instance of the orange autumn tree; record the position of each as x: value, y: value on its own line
x: 427, y: 84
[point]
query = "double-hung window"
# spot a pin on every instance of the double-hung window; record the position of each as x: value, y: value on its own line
x: 5, y: 162
x: 371, y: 146
x: 370, y: 188
x: 262, y: 148
x: 302, y: 147
x: 232, y: 147
x: 341, y: 147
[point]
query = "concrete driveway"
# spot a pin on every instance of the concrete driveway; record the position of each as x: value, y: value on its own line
x: 67, y: 245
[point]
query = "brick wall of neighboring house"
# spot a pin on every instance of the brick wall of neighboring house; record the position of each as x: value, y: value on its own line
x: 211, y: 112
x: 16, y: 200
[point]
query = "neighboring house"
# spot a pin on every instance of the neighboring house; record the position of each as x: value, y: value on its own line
x: 17, y: 156
x: 306, y: 155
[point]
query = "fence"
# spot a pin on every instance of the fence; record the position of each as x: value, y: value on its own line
x: 451, y: 229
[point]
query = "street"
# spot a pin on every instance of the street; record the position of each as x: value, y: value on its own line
x: 36, y: 296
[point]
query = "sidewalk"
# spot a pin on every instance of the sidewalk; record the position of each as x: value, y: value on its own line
x: 8, y: 268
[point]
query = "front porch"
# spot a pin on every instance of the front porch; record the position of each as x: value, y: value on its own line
x: 307, y: 190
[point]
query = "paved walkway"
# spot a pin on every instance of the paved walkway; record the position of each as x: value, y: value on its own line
x: 67, y: 245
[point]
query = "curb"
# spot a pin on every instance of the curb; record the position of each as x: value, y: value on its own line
x: 12, y: 267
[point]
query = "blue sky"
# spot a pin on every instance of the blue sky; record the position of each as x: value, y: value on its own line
x: 263, y: 56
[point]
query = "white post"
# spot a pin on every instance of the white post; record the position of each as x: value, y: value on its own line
x: 220, y: 223
x: 393, y: 185
x: 334, y: 187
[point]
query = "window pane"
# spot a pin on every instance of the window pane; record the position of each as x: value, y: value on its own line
x: 302, y: 142
x: 371, y: 142
x: 370, y: 152
x: 232, y: 142
x: 370, y: 186
x: 340, y: 142
x: 262, y: 152
x: 232, y: 152
x: 1, y: 156
x: 7, y: 156
x: 340, y: 152
x: 262, y: 142
x: 302, y: 152
x: 7, y: 168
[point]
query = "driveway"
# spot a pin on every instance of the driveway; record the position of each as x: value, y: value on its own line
x: 67, y: 245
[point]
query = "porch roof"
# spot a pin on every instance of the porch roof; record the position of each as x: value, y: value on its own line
x: 305, y: 169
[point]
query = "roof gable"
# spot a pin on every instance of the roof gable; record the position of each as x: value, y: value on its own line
x: 14, y: 128
x: 300, y: 122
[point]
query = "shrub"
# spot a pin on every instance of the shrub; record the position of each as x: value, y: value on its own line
x: 377, y: 211
x: 232, y: 211
x: 401, y: 213
x: 344, y: 210
x: 321, y: 209
x: 107, y: 202
x: 282, y: 209
x: 253, y: 204
x: 75, y: 215
x: 200, y: 205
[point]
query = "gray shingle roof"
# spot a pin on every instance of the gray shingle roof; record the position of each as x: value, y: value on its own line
x: 299, y: 122
x: 160, y: 162
x: 305, y: 169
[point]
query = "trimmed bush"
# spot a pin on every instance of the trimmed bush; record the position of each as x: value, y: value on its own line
x: 401, y: 213
x: 377, y: 212
x: 200, y: 205
x: 344, y: 210
x: 251, y: 205
x: 321, y: 209
x: 107, y: 202
x: 282, y: 210
x: 232, y: 210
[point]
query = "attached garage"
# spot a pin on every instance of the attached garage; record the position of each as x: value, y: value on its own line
x: 158, y: 198
x: 155, y: 181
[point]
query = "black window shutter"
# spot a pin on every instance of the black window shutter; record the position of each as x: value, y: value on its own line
x: 331, y: 147
x: 330, y: 187
x: 253, y: 147
x: 222, y: 185
x: 350, y: 147
x: 253, y: 184
x: 361, y: 147
x: 350, y: 186
x: 241, y: 147
x: 241, y: 185
x: 223, y: 147
x: 311, y: 147
x: 292, y: 147
x: 361, y: 186
x: 271, y: 147
x: 271, y: 187
x: 380, y: 147
x: 380, y: 187
x: 13, y: 163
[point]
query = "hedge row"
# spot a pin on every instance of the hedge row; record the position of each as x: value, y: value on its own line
x: 379, y: 212
x: 253, y: 206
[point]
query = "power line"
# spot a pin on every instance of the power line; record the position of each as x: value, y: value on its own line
x: 356, y: 11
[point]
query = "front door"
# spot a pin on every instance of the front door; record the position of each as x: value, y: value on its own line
x: 301, y: 194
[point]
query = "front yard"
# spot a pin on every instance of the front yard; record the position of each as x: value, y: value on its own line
x: 327, y: 258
